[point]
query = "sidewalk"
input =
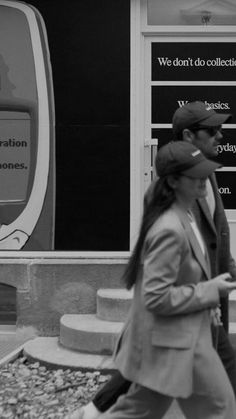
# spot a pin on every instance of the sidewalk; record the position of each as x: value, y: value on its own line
x: 12, y: 342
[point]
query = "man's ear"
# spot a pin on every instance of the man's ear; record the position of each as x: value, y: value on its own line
x: 187, y: 135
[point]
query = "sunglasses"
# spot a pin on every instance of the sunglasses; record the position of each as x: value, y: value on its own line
x: 192, y: 178
x: 212, y: 131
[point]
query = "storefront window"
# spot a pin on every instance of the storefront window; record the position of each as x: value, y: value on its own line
x: 191, y: 12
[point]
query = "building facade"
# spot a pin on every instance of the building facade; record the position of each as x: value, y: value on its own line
x: 120, y: 68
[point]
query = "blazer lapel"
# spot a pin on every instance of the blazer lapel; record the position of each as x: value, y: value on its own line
x: 205, y: 208
x: 203, y: 261
x: 204, y: 205
x: 219, y: 207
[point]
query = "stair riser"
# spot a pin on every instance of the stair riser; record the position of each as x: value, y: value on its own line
x: 88, y: 342
x: 232, y: 338
x: 115, y: 310
x: 232, y: 311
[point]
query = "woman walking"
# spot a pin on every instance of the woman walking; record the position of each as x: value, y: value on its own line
x: 165, y: 347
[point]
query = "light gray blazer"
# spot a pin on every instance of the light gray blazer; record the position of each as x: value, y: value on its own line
x: 172, y: 300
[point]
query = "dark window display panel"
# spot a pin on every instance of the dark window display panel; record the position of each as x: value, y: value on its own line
x: 188, y: 61
x: 92, y: 210
x: 89, y: 45
x: 166, y: 99
x: 163, y: 135
x: 226, y: 185
x: 227, y: 148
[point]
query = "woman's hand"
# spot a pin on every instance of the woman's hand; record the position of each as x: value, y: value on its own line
x: 224, y: 284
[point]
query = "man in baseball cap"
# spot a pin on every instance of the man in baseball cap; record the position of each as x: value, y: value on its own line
x: 197, y: 123
x: 197, y: 114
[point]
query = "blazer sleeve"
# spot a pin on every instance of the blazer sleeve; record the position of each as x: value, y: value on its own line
x: 164, y: 254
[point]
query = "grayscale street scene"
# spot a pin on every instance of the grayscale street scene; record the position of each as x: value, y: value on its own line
x: 117, y: 209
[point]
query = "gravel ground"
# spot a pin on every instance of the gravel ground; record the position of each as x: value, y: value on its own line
x: 29, y: 391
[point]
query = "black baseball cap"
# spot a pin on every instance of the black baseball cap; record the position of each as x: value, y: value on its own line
x: 183, y: 157
x: 197, y: 113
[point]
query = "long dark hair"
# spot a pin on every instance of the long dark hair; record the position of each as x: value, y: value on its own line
x: 161, y: 198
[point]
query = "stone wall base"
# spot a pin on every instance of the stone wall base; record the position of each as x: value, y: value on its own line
x: 49, y: 288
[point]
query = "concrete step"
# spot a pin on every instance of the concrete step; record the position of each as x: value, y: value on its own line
x: 87, y: 333
x: 232, y: 318
x: 113, y: 304
x: 232, y: 307
x: 49, y: 352
x: 232, y: 334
